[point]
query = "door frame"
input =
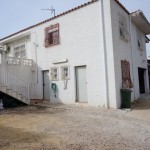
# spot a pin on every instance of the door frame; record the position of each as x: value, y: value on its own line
x: 144, y: 86
x: 76, y: 99
x: 43, y: 80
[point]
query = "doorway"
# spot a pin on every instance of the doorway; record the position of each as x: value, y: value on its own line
x: 81, y: 84
x: 46, y: 85
x: 141, y: 73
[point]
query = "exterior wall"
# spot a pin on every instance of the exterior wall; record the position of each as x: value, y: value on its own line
x: 127, y: 50
x: 88, y: 37
x: 139, y: 60
x: 81, y: 42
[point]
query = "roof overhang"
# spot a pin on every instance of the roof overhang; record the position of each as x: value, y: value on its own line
x: 139, y: 19
x: 147, y: 40
x: 14, y: 38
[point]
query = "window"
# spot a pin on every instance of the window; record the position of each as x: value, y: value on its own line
x: 139, y: 41
x: 65, y: 72
x: 52, y: 35
x: 123, y: 29
x: 20, y: 51
x: 54, y: 73
x: 126, y: 78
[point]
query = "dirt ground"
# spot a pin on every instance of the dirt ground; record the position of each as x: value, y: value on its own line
x: 75, y: 127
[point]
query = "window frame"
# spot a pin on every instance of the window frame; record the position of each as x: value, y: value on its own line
x: 20, y: 51
x: 52, y: 71
x: 139, y: 41
x: 123, y: 27
x: 62, y: 73
x: 47, y: 30
x: 126, y: 75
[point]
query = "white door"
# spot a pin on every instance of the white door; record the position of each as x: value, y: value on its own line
x: 81, y: 84
x: 46, y: 85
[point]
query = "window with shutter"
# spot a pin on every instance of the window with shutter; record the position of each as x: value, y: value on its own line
x: 52, y: 35
x: 126, y: 78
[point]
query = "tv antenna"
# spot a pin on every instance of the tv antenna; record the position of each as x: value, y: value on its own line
x: 51, y: 9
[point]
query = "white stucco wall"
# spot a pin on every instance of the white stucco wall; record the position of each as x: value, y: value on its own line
x: 127, y: 50
x: 88, y: 37
x: 81, y: 42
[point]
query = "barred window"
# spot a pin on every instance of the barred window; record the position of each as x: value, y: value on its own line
x: 20, y: 51
x: 52, y: 35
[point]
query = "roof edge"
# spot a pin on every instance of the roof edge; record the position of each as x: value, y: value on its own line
x: 57, y: 16
x: 62, y: 14
x: 122, y: 6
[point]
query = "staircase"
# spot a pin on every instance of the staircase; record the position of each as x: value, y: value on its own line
x: 11, y: 83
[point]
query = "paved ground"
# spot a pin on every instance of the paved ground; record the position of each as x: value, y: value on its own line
x: 75, y: 127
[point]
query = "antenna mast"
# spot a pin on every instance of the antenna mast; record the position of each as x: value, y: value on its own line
x: 51, y: 9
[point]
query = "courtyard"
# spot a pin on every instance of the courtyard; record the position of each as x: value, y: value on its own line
x: 75, y: 127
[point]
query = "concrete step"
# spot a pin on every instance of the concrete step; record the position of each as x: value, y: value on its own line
x: 9, y: 91
x: 19, y: 97
x: 4, y: 88
x: 14, y: 94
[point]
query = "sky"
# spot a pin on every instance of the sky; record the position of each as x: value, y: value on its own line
x: 19, y: 14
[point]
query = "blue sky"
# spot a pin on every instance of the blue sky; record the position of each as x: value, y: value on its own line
x: 18, y: 14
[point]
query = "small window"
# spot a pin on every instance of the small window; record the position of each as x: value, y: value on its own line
x: 54, y: 73
x: 139, y: 41
x: 123, y: 29
x: 20, y: 51
x: 52, y: 35
x: 65, y: 72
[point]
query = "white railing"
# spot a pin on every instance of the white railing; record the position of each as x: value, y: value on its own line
x: 11, y: 78
x: 14, y: 83
x: 20, y: 61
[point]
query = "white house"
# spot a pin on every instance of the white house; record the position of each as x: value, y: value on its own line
x: 86, y: 54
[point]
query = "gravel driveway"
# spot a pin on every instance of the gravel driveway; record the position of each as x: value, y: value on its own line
x: 73, y: 128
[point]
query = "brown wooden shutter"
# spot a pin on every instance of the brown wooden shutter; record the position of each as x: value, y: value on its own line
x: 46, y: 37
x: 126, y: 78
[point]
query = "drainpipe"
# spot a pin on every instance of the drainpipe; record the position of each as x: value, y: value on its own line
x: 35, y: 46
x: 105, y: 54
x: 132, y: 52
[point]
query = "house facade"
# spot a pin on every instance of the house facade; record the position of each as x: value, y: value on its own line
x: 83, y: 55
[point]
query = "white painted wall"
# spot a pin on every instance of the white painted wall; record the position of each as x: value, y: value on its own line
x: 88, y: 36
x: 82, y: 44
x: 127, y: 51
